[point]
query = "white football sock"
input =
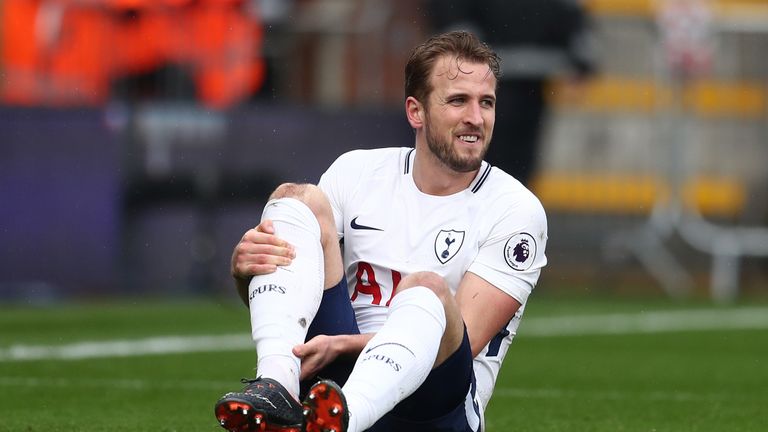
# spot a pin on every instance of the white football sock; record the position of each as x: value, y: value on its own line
x: 283, y: 304
x: 397, y: 360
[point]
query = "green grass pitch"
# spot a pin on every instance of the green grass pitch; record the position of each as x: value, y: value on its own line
x: 711, y: 375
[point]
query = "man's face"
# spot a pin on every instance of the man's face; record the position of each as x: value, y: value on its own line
x: 460, y: 113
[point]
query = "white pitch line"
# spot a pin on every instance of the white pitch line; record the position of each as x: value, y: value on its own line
x: 576, y: 325
x: 123, y: 384
x: 127, y: 348
x: 646, y: 322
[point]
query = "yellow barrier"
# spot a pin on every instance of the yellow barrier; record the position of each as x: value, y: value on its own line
x: 705, y: 98
x: 647, y: 8
x: 635, y: 194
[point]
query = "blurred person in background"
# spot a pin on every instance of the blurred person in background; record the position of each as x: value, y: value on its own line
x: 538, y: 40
x: 276, y: 18
x: 403, y: 275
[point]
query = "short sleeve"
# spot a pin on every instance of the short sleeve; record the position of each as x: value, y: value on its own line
x: 513, y: 254
x: 338, y: 183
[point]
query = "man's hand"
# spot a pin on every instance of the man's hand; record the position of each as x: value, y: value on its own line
x: 259, y: 252
x: 321, y: 350
x: 317, y: 353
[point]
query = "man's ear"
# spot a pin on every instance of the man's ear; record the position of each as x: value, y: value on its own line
x: 414, y: 110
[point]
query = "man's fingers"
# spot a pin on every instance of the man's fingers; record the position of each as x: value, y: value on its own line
x: 249, y: 250
x: 261, y: 252
x: 266, y: 226
x: 260, y: 269
x: 256, y: 237
x: 298, y: 351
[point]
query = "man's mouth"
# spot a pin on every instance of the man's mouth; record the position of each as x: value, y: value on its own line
x: 471, y: 139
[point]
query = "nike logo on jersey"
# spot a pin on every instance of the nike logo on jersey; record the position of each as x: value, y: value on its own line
x: 357, y: 226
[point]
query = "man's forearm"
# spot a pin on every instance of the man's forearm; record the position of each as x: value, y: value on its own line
x: 242, y: 289
x: 352, y: 344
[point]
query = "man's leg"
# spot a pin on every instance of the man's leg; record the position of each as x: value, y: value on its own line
x: 282, y: 306
x: 334, y: 317
x: 422, y: 330
x: 446, y: 401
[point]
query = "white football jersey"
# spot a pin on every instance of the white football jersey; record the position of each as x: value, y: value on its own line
x: 495, y: 228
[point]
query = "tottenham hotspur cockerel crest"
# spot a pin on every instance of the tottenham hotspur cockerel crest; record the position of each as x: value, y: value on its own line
x: 447, y: 244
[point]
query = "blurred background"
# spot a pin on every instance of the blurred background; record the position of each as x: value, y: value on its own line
x: 139, y: 138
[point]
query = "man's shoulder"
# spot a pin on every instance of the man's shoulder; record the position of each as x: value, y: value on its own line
x: 502, y: 183
x: 503, y: 190
x: 363, y: 155
x: 369, y: 160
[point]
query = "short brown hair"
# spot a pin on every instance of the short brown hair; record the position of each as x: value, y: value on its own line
x: 461, y: 44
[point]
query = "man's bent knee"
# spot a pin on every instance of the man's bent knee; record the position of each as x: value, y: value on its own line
x: 312, y: 196
x: 299, y: 191
x: 454, y: 331
x: 430, y: 280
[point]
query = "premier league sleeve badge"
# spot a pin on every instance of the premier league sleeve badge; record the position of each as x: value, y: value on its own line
x: 520, y: 251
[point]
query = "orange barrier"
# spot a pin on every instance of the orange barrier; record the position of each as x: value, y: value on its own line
x: 65, y: 53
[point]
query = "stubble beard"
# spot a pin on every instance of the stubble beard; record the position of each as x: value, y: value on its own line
x: 447, y: 154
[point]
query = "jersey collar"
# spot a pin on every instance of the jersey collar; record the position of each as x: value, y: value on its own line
x: 477, y: 183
